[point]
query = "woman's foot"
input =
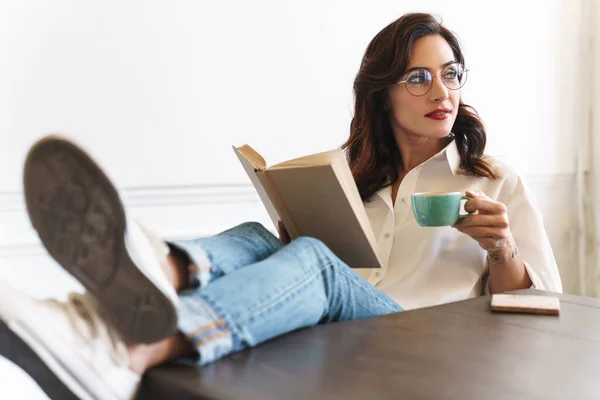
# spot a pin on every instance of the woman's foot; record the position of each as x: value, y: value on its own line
x: 142, y: 357
x: 81, y: 220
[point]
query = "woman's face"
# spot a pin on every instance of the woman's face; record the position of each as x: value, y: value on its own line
x: 431, y: 115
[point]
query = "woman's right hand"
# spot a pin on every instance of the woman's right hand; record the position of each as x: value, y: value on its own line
x: 284, y: 236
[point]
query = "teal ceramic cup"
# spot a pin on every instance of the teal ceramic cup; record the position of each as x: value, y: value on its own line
x: 438, y: 209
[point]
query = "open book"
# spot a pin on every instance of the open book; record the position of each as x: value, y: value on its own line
x: 315, y: 196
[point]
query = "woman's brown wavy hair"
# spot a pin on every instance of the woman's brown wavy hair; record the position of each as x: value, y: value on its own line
x: 371, y: 148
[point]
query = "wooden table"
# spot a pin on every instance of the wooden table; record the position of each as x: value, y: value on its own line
x: 455, y: 351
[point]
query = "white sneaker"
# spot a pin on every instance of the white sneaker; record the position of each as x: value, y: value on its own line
x: 82, y: 222
x: 74, y: 343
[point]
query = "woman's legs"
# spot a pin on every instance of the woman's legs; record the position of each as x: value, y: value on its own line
x: 301, y: 285
x: 212, y: 257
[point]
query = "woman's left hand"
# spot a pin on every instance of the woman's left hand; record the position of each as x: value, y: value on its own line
x: 489, y: 226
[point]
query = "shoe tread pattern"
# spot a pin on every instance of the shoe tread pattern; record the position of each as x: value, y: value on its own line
x: 79, y: 217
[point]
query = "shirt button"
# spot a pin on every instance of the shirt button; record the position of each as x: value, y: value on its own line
x: 378, y: 274
x: 403, y: 200
x: 387, y: 236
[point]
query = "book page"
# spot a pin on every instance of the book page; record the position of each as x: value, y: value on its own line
x: 257, y: 161
x: 324, y: 158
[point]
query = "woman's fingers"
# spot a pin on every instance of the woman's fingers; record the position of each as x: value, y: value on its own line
x: 485, y: 206
x: 482, y: 220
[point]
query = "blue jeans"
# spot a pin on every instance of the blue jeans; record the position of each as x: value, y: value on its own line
x: 257, y: 289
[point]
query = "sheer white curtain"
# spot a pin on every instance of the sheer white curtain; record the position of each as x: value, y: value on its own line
x: 589, y: 156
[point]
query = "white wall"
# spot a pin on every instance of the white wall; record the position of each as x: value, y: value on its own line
x: 162, y: 89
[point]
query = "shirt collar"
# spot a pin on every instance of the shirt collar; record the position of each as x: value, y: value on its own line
x: 452, y: 157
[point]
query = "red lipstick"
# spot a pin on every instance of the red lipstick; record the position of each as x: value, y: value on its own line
x: 439, y: 114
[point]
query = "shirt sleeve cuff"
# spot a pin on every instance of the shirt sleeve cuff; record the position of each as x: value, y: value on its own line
x: 536, y: 281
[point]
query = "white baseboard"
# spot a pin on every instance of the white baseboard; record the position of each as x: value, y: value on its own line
x: 176, y: 211
x: 160, y: 196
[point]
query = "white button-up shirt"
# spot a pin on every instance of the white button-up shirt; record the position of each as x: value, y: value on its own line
x: 426, y: 266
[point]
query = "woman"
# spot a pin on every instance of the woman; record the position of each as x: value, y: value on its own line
x: 196, y: 301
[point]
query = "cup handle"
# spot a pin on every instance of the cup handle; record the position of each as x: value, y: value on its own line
x: 463, y: 216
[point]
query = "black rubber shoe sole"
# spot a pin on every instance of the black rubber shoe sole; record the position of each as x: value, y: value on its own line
x: 81, y: 221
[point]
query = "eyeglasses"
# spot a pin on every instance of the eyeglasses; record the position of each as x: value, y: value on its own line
x: 419, y: 81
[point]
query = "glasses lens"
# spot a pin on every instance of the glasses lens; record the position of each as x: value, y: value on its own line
x: 454, y: 76
x: 418, y: 82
